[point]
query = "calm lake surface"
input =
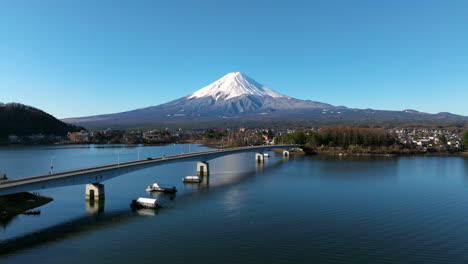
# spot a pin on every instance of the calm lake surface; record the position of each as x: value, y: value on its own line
x: 313, y: 209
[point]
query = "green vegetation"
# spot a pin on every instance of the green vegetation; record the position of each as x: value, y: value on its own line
x: 353, y: 140
x: 22, y: 120
x: 339, y: 137
x: 231, y: 138
x: 109, y: 137
x: 464, y: 139
x: 298, y: 137
x: 211, y: 134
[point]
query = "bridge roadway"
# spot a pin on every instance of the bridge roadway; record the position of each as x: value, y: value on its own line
x: 105, y: 172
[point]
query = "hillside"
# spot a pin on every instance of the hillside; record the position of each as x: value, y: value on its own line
x: 22, y: 120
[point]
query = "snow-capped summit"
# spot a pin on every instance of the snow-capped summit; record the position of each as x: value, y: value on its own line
x: 233, y: 85
x: 236, y: 98
x: 233, y: 95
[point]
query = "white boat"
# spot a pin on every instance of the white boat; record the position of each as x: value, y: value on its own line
x: 195, y: 179
x: 161, y: 188
x: 266, y: 155
x: 144, y: 203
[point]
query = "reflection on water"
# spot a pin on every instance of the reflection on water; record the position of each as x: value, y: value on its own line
x: 94, y: 206
x: 147, y: 212
x: 315, y: 209
x: 4, y: 222
x: 352, y: 168
x: 92, y: 146
x: 162, y: 196
x: 259, y: 167
x: 97, y: 218
x: 205, y: 180
x: 64, y: 230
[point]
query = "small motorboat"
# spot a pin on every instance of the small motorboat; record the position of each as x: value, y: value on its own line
x: 155, y: 187
x: 266, y: 155
x: 193, y: 179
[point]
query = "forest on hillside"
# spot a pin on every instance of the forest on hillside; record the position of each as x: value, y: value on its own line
x: 22, y: 120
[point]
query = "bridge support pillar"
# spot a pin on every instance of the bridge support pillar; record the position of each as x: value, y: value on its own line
x: 94, y: 191
x: 285, y: 154
x: 259, y: 157
x: 203, y: 168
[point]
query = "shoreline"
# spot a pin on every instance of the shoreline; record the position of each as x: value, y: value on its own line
x: 220, y: 146
x: 344, y: 153
x: 19, y: 203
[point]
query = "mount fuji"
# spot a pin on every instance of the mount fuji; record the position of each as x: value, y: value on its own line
x: 235, y: 93
x: 238, y: 99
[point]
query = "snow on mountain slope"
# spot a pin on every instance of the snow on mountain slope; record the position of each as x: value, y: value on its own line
x: 233, y: 85
x: 238, y: 98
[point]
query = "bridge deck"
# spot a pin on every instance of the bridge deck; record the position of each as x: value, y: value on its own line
x: 105, y: 172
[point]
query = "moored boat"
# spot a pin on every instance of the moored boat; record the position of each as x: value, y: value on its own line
x: 144, y: 203
x: 195, y: 179
x: 155, y: 187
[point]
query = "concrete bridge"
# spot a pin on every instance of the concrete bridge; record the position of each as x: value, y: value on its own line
x: 94, y: 176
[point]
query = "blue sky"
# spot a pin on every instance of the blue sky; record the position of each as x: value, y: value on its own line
x: 78, y: 58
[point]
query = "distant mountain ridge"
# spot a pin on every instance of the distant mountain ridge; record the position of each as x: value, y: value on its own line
x: 22, y: 120
x: 237, y: 98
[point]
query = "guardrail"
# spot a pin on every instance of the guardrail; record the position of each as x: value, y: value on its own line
x: 137, y: 162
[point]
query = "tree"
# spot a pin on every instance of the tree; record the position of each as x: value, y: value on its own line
x: 99, y: 138
x: 298, y: 137
x: 464, y: 139
x: 442, y: 139
x: 312, y: 139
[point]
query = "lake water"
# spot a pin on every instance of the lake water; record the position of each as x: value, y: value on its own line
x: 312, y: 209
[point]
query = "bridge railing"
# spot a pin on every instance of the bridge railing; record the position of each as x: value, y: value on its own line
x: 141, y: 161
